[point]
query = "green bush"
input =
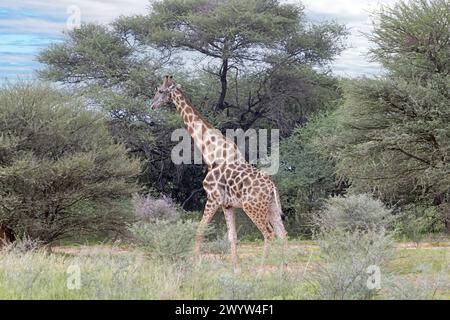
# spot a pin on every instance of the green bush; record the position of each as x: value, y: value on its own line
x: 352, y: 239
x: 343, y: 273
x: 306, y: 177
x: 354, y: 212
x: 61, y: 174
x: 219, y: 245
x: 166, y: 240
x: 416, y: 222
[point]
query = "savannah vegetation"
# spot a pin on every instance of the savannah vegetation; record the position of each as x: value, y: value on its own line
x: 86, y: 177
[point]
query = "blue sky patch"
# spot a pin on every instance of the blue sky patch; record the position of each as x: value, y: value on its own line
x: 27, y: 27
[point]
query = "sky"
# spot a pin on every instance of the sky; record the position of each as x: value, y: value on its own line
x: 28, y: 26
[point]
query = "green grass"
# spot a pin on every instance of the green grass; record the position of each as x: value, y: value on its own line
x: 125, y: 273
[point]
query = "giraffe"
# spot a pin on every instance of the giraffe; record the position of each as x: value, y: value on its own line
x: 231, y: 182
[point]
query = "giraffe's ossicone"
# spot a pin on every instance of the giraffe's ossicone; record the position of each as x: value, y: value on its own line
x: 231, y: 181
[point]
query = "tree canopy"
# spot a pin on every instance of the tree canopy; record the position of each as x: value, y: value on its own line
x: 61, y: 174
x: 391, y: 134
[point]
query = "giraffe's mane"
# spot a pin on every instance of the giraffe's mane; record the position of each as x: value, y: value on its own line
x: 194, y: 109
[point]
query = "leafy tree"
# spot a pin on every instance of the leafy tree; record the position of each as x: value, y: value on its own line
x: 306, y: 176
x: 245, y: 64
x: 61, y: 174
x: 239, y: 32
x: 256, y: 40
x: 392, y: 134
x: 412, y: 38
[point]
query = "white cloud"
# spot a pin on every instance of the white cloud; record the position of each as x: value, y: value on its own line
x: 101, y: 11
x: 31, y: 25
x: 356, y: 15
x: 353, y: 13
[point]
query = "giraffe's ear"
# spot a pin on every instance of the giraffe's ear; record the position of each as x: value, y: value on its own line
x: 178, y: 86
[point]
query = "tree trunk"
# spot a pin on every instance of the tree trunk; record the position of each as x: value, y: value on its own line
x: 224, y: 83
x: 3, y: 236
x: 6, y: 236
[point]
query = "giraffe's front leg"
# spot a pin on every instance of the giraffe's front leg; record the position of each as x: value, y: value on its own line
x: 210, y: 209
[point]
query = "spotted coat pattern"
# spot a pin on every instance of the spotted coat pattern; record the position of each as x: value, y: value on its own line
x: 231, y: 181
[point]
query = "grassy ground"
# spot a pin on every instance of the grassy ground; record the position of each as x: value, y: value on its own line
x: 111, y: 272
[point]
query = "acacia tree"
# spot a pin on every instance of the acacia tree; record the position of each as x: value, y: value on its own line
x: 61, y: 174
x: 392, y: 134
x: 256, y: 70
x: 240, y: 38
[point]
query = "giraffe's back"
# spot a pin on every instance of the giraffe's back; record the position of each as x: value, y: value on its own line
x: 235, y: 184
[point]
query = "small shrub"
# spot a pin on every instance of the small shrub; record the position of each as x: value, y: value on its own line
x: 355, y: 212
x: 404, y: 289
x: 150, y: 209
x: 220, y: 245
x: 23, y: 244
x: 420, y: 288
x: 343, y: 272
x: 235, y: 287
x: 162, y: 239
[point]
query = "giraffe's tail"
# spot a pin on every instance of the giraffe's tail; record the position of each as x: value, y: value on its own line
x: 278, y: 216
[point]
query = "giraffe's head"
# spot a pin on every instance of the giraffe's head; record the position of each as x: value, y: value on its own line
x: 164, y: 93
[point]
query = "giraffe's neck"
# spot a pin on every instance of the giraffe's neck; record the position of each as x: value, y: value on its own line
x: 214, y: 147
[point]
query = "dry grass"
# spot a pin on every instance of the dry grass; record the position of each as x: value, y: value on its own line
x: 123, y: 272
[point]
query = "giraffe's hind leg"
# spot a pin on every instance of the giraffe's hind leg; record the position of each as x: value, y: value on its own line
x: 259, y: 213
x: 232, y: 236
x: 210, y: 209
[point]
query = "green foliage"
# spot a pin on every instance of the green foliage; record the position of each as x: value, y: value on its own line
x: 354, y: 212
x: 306, y: 177
x: 346, y: 256
x: 60, y: 172
x: 166, y: 240
x: 93, y: 52
x: 391, y: 135
x: 416, y: 221
x: 230, y: 26
x: 354, y: 244
x: 411, y: 38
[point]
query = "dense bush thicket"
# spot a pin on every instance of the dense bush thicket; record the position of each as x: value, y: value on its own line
x: 61, y: 174
x: 306, y: 177
x: 390, y: 136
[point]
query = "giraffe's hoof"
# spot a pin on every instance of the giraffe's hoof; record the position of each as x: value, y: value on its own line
x: 237, y: 270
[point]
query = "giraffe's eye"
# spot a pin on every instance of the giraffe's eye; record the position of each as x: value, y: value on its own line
x: 160, y: 91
